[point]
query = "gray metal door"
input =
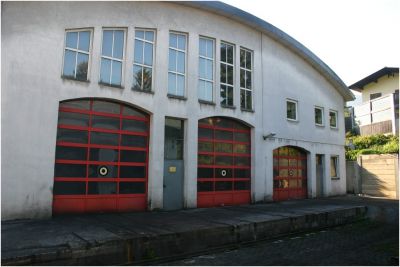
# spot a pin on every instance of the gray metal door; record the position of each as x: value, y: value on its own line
x: 319, y: 159
x: 173, y: 164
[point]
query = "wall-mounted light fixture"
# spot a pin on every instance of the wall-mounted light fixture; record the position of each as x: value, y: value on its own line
x: 269, y: 135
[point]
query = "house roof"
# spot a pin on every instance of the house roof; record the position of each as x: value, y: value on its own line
x: 359, y: 86
x: 276, y: 34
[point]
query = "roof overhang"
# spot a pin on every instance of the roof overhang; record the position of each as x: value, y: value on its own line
x: 359, y: 86
x: 276, y: 34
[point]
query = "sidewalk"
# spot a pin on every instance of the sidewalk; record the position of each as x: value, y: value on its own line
x: 130, y: 238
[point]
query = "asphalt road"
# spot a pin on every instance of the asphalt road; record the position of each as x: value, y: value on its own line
x: 361, y: 243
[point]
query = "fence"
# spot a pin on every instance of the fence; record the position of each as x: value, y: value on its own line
x: 375, y: 175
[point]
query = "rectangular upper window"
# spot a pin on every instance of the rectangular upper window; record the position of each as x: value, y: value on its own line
x: 319, y: 116
x: 77, y: 54
x: 177, y: 64
x: 226, y: 74
x: 143, y: 60
x: 246, y: 79
x: 333, y: 118
x: 206, y: 69
x: 334, y: 167
x: 112, y: 57
x: 375, y: 95
x: 291, y: 110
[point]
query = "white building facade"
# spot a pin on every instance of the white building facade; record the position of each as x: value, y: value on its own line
x: 156, y: 105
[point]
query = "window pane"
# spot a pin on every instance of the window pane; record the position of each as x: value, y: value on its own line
x: 134, y: 126
x: 104, y: 138
x: 210, y: 49
x: 137, y: 77
x: 69, y: 64
x: 223, y: 160
x: 205, y: 133
x: 78, y: 104
x: 242, y: 173
x: 172, y: 83
x: 69, y: 188
x: 223, y: 147
x: 71, y: 40
x: 70, y: 170
x: 291, y: 110
x: 229, y: 54
x: 248, y: 60
x: 105, y: 122
x: 229, y: 75
x: 148, y: 54
x: 132, y: 112
x: 223, y: 186
x: 223, y: 95
x: 332, y: 119
x: 132, y: 188
x: 82, y: 66
x: 172, y: 60
x: 249, y: 100
x: 229, y: 91
x: 318, y: 116
x: 242, y: 161
x: 173, y: 40
x: 181, y: 62
x: 204, y: 186
x: 118, y: 44
x: 149, y: 36
x: 103, y: 171
x: 76, y: 119
x: 147, y: 79
x: 242, y: 137
x: 133, y: 141
x: 334, y: 161
x: 182, y: 42
x: 242, y: 78
x: 132, y: 172
x: 209, y: 70
x: 242, y: 185
x: 205, y: 173
x: 242, y: 58
x: 84, y: 41
x: 242, y: 98
x: 102, y: 188
x: 239, y: 148
x: 223, y: 135
x: 138, y: 57
x: 223, y: 52
x: 107, y: 43
x: 103, y: 154
x: 205, y: 146
x: 105, y: 70
x: 107, y: 107
x: 139, y: 34
x: 202, y: 47
x: 201, y: 90
x: 72, y: 136
x: 223, y: 173
x: 180, y: 85
x: 209, y: 91
x: 202, y: 68
x: 133, y: 156
x: 116, y: 72
x: 248, y: 80
x: 223, y: 73
x: 205, y: 160
x: 74, y: 153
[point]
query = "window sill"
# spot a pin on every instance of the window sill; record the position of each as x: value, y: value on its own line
x: 335, y: 178
x: 73, y: 79
x: 111, y: 85
x: 176, y: 97
x: 230, y: 107
x: 247, y: 110
x: 292, y: 120
x: 206, y: 102
x: 142, y: 91
x: 320, y: 125
x: 334, y: 128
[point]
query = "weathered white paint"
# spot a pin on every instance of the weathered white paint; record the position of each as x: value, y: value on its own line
x: 32, y: 53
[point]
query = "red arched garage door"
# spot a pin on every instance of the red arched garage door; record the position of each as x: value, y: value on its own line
x: 290, y: 173
x: 101, y: 157
x: 224, y: 163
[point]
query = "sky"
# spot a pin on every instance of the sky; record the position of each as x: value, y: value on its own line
x: 354, y: 38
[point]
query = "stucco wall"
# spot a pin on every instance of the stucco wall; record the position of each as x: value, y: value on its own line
x: 32, y: 54
x: 385, y: 85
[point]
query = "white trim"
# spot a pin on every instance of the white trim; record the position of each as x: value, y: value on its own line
x: 176, y: 73
x: 336, y: 119
x: 322, y: 116
x: 246, y: 70
x: 297, y: 111
x: 233, y: 72
x: 142, y: 65
x: 213, y: 68
x: 337, y: 171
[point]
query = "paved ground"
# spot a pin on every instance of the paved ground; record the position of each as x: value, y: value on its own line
x: 133, y: 237
x: 362, y: 243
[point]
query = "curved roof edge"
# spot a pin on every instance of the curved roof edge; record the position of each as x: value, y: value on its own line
x: 276, y: 34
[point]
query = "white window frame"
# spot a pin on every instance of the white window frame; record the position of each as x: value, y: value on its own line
x: 78, y: 51
x: 176, y: 66
x: 143, y: 65
x: 297, y: 111
x: 213, y: 66
x: 322, y: 115
x: 336, y: 119
x: 233, y: 74
x: 252, y: 80
x: 112, y: 58
x: 336, y: 159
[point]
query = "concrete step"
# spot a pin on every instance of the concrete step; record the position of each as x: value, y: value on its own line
x: 131, y: 238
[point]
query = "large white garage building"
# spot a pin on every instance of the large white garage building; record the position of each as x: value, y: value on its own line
x: 125, y: 106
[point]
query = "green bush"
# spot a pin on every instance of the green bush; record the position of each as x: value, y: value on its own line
x: 372, y: 144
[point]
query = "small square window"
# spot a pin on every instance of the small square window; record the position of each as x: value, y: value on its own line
x: 291, y: 110
x: 76, y: 54
x: 334, y: 167
x: 319, y: 116
x: 333, y: 118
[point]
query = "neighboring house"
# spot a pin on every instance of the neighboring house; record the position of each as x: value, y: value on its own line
x: 379, y: 111
x: 124, y: 106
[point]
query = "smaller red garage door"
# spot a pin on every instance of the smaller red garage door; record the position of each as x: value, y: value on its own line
x: 224, y: 163
x: 290, y: 173
x: 101, y: 157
